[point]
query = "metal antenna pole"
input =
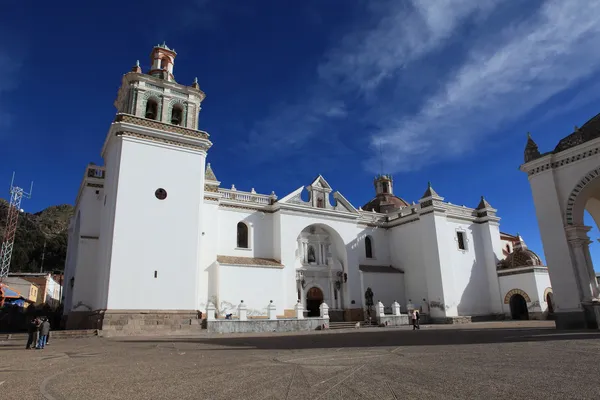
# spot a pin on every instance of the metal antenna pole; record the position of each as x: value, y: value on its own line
x: 8, y: 241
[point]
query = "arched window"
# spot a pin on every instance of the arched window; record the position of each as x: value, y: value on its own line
x: 368, y: 247
x: 163, y: 63
x: 177, y: 115
x: 311, y: 254
x: 242, y: 235
x: 151, y: 109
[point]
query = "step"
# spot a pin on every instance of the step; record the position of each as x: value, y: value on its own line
x: 344, y: 325
x: 70, y: 334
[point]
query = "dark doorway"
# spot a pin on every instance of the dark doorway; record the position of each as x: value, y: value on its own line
x: 518, y: 307
x: 314, y: 298
x: 550, y: 302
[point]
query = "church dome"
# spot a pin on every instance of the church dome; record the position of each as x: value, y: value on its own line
x: 590, y: 130
x: 520, y: 257
x: 385, y: 203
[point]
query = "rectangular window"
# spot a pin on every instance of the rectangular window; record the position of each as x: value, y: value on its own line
x: 460, y: 237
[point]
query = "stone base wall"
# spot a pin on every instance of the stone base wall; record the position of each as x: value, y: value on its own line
x: 450, y: 320
x: 149, y: 322
x: 336, y: 315
x: 394, y: 320
x: 268, y: 325
x: 136, y: 322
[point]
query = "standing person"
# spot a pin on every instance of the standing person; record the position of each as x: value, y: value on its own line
x: 32, y: 330
x: 418, y: 320
x: 44, y: 331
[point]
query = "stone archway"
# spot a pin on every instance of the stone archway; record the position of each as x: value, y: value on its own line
x: 321, y: 262
x: 518, y: 307
x: 565, y: 183
x: 314, y: 298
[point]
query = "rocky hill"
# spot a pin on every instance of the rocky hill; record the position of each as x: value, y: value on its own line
x: 49, y: 226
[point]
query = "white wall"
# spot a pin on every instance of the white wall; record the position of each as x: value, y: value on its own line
x: 156, y: 235
x: 387, y: 288
x: 256, y: 286
x: 406, y: 249
x: 526, y: 282
x: 260, y: 230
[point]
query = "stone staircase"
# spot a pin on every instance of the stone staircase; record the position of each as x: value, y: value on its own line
x: 351, y: 325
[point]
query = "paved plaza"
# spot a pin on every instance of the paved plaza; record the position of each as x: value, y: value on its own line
x: 528, y: 360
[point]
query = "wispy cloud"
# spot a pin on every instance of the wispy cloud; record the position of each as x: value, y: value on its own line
x: 393, y: 34
x: 503, y: 69
x: 500, y: 82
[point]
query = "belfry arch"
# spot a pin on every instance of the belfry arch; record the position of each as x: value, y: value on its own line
x: 565, y: 183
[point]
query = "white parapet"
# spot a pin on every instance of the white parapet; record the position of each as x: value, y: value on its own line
x: 210, y: 312
x: 242, y: 311
x: 271, y: 310
x: 395, y: 308
x: 299, y: 310
x: 380, y: 309
x: 324, y: 310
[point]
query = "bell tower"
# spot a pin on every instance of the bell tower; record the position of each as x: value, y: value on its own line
x: 152, y: 211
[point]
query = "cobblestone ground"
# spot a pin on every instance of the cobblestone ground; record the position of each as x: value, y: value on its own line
x: 495, y: 361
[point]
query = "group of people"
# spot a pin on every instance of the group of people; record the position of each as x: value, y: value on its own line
x: 39, y: 333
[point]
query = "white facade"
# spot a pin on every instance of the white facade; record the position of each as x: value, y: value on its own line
x: 565, y: 184
x: 154, y: 230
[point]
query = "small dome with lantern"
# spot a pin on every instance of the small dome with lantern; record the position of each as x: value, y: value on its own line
x: 520, y: 257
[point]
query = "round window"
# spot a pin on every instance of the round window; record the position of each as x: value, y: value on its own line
x: 161, y: 194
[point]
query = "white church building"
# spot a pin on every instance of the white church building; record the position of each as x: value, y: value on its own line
x: 155, y: 233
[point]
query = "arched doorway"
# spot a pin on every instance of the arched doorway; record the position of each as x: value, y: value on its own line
x: 314, y: 298
x: 518, y: 307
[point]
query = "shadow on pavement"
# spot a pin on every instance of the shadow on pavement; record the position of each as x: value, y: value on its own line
x: 383, y: 337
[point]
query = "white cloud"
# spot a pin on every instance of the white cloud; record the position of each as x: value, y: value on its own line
x: 526, y: 65
x: 403, y: 33
x: 395, y: 34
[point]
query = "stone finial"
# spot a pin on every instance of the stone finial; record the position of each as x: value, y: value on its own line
x: 210, y: 311
x: 531, y: 149
x: 380, y: 311
x: 324, y: 308
x: 209, y: 174
x: 483, y: 204
x: 429, y: 192
x: 299, y: 310
x: 271, y: 310
x: 233, y: 187
x: 242, y: 311
x: 254, y: 192
x: 195, y: 84
x: 396, y: 308
x: 136, y: 68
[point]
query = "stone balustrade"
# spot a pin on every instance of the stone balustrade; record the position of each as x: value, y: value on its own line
x: 247, y: 197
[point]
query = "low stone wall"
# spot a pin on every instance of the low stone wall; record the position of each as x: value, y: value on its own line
x: 393, y: 320
x: 450, y: 320
x: 150, y: 322
x: 266, y: 325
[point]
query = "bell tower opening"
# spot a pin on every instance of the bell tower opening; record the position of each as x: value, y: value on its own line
x: 383, y: 184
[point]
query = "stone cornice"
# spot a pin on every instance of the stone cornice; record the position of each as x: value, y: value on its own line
x: 550, y: 161
x: 315, y: 211
x: 151, y: 130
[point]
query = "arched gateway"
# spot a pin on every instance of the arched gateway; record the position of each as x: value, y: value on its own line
x: 320, y: 273
x: 565, y: 183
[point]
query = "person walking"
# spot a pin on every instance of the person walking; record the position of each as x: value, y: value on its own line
x: 44, y: 331
x: 415, y: 320
x: 32, y: 330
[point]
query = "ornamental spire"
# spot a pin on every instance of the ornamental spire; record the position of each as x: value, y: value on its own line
x: 531, y: 149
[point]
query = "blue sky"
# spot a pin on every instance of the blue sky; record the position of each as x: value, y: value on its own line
x: 447, y: 89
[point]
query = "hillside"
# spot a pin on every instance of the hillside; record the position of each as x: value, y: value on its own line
x: 50, y: 226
